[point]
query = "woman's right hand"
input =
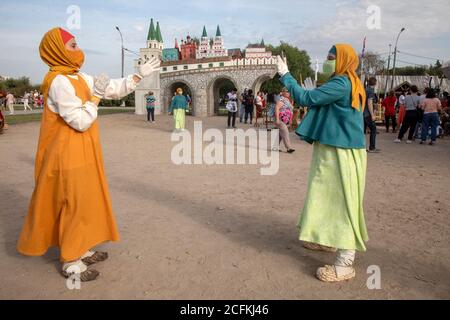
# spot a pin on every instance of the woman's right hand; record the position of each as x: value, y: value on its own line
x: 101, y: 82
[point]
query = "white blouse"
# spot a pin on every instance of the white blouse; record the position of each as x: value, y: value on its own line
x: 63, y: 100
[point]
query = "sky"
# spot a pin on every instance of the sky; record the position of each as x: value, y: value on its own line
x: 313, y: 26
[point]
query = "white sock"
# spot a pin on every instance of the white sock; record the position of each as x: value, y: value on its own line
x: 88, y: 254
x: 344, y: 262
x: 76, y: 267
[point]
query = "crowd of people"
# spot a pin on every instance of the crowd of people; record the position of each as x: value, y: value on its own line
x: 78, y: 215
x: 420, y: 115
x: 30, y: 100
x: 274, y: 108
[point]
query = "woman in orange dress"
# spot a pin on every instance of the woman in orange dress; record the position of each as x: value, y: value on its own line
x: 70, y: 207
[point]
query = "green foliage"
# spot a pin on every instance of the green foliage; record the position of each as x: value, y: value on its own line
x: 17, y: 87
x: 436, y: 70
x: 129, y: 101
x: 298, y: 63
x: 433, y: 70
x: 22, y: 118
x: 321, y: 78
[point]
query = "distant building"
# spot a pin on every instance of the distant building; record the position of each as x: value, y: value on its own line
x: 211, y: 49
x: 155, y: 44
x: 188, y: 49
x: 154, y: 48
x: 235, y: 53
x: 257, y: 51
x: 171, y: 54
x: 403, y: 83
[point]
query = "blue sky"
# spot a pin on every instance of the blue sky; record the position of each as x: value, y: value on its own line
x: 311, y: 25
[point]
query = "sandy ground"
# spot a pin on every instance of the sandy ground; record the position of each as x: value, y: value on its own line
x: 226, y: 232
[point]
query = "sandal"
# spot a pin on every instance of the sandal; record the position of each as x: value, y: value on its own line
x: 328, y: 274
x: 318, y: 247
x: 98, y: 256
x: 88, y: 275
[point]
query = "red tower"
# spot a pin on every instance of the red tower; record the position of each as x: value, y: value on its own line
x: 188, y: 49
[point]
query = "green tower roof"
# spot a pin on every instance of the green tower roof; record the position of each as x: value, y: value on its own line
x: 151, y: 31
x: 158, y: 33
x: 218, y: 34
x: 262, y: 42
x: 204, y: 34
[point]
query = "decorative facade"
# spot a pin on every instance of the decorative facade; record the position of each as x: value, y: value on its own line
x: 202, y: 65
x: 188, y: 49
x: 211, y: 48
x: 257, y: 51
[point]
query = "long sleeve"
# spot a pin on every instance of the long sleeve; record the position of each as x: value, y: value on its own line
x: 63, y: 100
x: 171, y: 106
x: 117, y: 88
x: 328, y: 93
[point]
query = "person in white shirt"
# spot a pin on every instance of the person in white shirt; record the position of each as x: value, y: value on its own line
x: 232, y: 107
x: 10, y: 103
x: 26, y: 98
x: 70, y: 207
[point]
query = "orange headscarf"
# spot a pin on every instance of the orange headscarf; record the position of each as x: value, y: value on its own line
x: 57, y: 57
x: 346, y: 64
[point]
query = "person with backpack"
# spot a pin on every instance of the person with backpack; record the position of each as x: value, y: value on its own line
x: 248, y: 104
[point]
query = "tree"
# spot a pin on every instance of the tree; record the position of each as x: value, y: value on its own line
x: 298, y: 63
x: 410, y: 71
x: 17, y: 87
x: 436, y: 70
x: 373, y: 63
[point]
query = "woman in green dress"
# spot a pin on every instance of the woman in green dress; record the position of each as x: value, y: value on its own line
x: 178, y: 107
x: 332, y: 218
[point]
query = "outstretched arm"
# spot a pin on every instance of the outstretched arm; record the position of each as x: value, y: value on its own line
x: 331, y: 91
x: 119, y: 88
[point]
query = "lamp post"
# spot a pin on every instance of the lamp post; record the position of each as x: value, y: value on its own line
x: 395, y: 57
x: 387, y: 75
x: 123, y: 59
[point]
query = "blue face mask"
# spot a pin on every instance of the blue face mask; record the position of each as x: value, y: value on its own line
x: 329, y: 67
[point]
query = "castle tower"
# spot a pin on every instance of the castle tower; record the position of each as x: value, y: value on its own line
x: 204, y: 47
x: 218, y: 49
x: 154, y: 48
x: 155, y: 43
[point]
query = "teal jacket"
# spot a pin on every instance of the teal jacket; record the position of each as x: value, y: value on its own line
x: 179, y: 102
x: 331, y: 119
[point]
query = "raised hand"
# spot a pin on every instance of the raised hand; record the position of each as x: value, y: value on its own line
x: 147, y: 68
x: 101, y: 82
x: 282, y: 67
